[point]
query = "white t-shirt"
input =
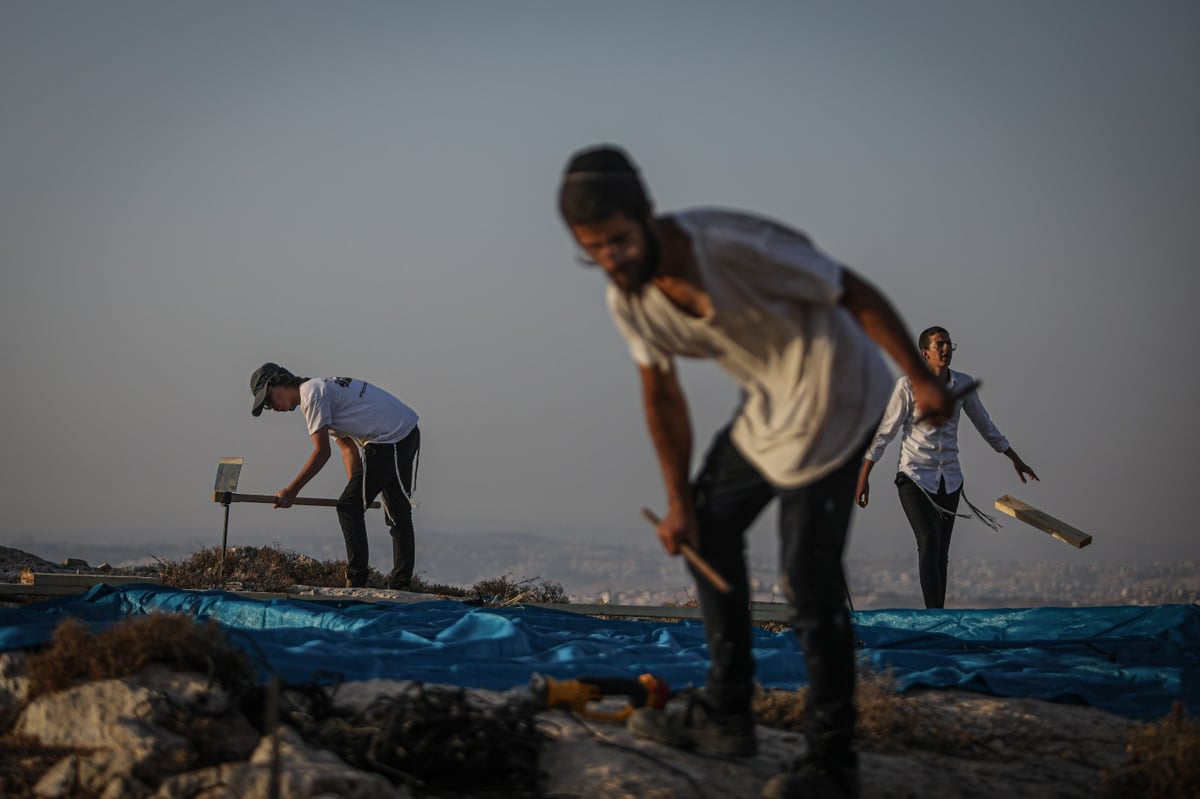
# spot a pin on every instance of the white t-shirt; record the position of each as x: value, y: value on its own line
x: 814, y: 385
x: 350, y: 407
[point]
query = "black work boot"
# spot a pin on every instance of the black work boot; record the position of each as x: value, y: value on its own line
x: 697, y: 726
x: 808, y: 778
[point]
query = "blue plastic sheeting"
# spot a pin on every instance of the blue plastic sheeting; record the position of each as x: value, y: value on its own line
x: 1130, y: 660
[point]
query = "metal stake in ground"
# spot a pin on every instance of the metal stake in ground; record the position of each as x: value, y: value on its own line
x: 228, y: 472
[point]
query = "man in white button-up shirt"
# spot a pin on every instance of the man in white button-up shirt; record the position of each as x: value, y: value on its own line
x: 930, y: 478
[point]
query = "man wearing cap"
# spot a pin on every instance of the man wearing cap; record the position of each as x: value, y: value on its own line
x: 801, y: 334
x: 380, y: 443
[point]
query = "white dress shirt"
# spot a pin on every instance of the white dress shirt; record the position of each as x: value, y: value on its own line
x: 929, y: 454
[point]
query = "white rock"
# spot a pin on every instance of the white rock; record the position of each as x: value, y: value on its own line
x: 14, y: 686
x: 304, y: 773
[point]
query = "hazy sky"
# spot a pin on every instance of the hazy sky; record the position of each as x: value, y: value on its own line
x: 367, y: 189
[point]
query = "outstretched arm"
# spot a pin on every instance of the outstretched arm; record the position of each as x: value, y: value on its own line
x: 316, y: 460
x: 1020, y: 465
x: 899, y: 408
x: 671, y: 431
x: 973, y: 407
x: 881, y: 322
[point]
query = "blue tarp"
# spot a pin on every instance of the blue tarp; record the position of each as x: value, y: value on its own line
x: 1129, y: 660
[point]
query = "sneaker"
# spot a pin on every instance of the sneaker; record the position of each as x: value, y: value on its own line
x: 810, y: 778
x: 697, y: 726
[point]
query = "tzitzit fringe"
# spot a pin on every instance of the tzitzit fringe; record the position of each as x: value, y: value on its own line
x: 975, y: 513
x: 409, y: 494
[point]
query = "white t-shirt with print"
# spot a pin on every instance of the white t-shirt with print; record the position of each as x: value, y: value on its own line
x: 350, y: 407
x: 814, y: 385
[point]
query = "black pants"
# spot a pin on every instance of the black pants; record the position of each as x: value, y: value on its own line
x: 933, y: 529
x: 814, y: 519
x: 386, y: 468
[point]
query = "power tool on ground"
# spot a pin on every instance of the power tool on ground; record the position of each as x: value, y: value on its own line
x: 582, y: 694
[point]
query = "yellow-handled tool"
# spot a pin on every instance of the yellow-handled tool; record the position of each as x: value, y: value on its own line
x: 581, y: 694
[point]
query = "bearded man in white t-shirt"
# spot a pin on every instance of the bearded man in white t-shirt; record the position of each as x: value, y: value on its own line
x: 380, y: 443
x: 801, y: 334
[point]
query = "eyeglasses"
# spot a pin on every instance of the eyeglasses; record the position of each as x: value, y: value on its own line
x: 621, y: 245
x: 941, y: 345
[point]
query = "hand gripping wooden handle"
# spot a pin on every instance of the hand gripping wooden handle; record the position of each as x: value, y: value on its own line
x: 269, y: 499
x: 693, y: 557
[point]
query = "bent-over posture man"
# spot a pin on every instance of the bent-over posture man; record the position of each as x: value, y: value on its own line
x: 380, y: 443
x: 795, y: 330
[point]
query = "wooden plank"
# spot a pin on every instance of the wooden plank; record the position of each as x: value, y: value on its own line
x: 269, y: 499
x: 1043, y: 521
x: 8, y: 590
x: 759, y: 611
x: 85, y: 580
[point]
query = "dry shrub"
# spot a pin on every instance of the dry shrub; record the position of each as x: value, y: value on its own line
x: 886, y: 720
x: 255, y: 569
x: 505, y: 590
x: 781, y: 709
x: 421, y: 586
x: 272, y: 569
x: 880, y: 711
x: 1162, y: 760
x: 435, y: 737
x: 174, y: 640
x: 890, y: 721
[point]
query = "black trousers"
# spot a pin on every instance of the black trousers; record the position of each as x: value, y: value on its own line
x: 386, y: 469
x: 813, y: 522
x: 933, y: 529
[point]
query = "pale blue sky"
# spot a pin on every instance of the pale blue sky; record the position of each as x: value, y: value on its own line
x: 367, y: 189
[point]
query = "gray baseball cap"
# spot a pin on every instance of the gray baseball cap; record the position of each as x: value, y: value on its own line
x: 265, y: 376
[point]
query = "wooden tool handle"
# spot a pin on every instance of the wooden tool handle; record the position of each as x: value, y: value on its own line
x: 693, y: 557
x: 269, y: 499
x: 956, y: 395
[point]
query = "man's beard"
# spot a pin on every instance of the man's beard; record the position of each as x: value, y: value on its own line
x: 634, y: 277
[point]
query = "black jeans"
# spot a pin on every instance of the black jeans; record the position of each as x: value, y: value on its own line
x: 933, y: 529
x: 813, y: 521
x: 386, y: 468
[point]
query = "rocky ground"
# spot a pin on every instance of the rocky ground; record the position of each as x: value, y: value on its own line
x: 125, y: 738
x: 122, y: 738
